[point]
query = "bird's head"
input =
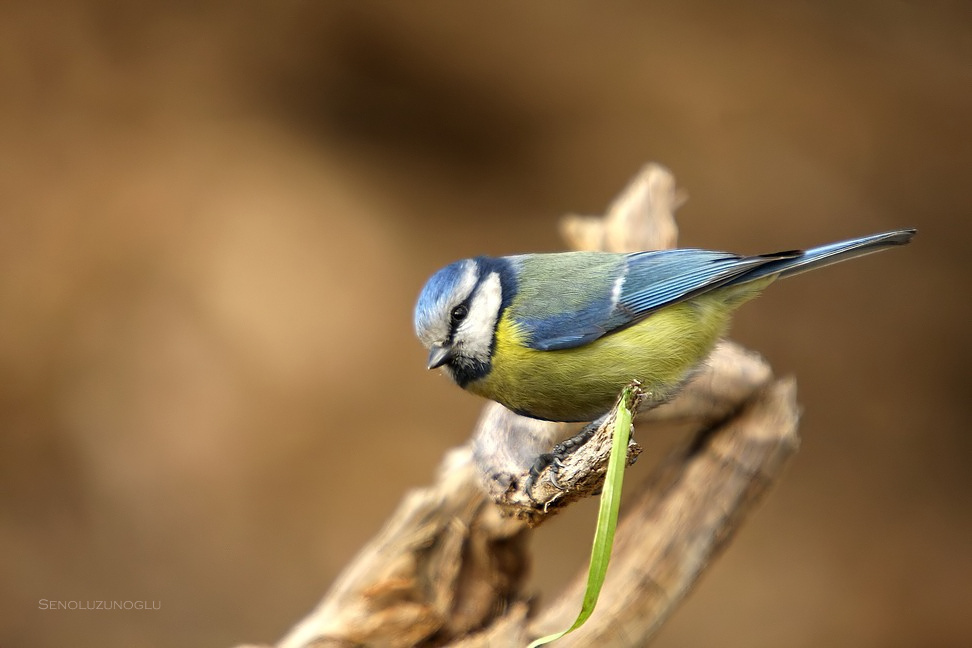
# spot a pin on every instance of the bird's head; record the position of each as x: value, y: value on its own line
x: 456, y: 317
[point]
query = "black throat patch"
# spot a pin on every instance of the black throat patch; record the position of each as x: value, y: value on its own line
x: 465, y: 369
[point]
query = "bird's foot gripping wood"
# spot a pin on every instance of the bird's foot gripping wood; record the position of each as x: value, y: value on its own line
x: 555, y: 458
x: 531, y: 487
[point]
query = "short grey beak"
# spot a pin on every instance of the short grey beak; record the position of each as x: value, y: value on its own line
x: 439, y: 355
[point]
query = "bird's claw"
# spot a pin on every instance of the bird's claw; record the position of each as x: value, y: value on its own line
x: 541, y: 463
x: 554, y: 460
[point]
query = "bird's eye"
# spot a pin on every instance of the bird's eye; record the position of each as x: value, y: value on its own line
x: 459, y: 313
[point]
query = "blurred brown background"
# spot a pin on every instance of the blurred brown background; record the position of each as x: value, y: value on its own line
x: 214, y: 219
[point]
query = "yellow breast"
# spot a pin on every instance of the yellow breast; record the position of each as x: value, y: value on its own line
x: 582, y: 383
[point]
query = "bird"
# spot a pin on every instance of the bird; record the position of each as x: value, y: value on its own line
x: 557, y: 336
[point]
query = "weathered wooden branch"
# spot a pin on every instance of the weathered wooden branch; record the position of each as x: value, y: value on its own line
x: 580, y: 475
x: 684, y: 516
x: 449, y: 567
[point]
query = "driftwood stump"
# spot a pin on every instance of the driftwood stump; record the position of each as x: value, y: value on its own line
x: 449, y: 567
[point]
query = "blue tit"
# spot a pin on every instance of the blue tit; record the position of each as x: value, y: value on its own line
x: 557, y: 336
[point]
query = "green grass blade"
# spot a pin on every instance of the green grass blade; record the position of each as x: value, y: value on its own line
x: 607, y: 518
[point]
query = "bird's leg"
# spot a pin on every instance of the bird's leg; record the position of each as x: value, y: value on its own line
x: 555, y: 457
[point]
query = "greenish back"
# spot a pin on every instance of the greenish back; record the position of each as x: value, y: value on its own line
x: 563, y: 282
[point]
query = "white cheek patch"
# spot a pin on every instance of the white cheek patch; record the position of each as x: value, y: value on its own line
x: 475, y: 335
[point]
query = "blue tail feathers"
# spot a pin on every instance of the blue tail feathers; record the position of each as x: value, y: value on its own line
x: 827, y: 254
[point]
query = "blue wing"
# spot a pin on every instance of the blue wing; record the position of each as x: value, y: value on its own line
x: 622, y: 290
x: 657, y: 279
x: 643, y: 283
